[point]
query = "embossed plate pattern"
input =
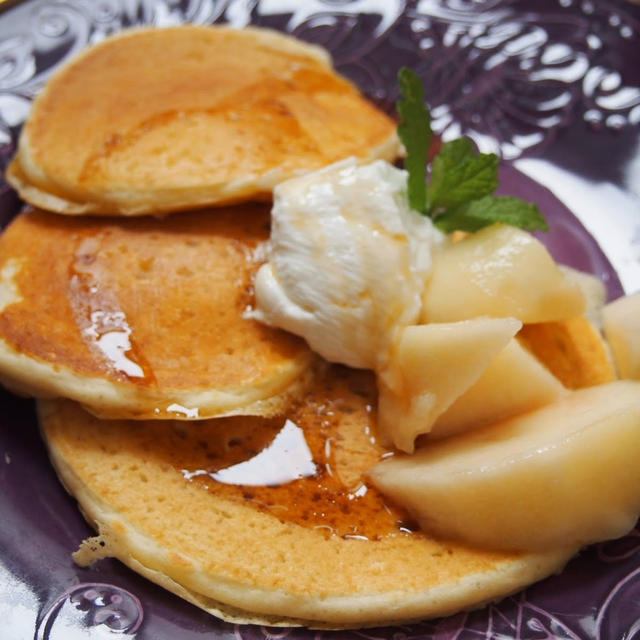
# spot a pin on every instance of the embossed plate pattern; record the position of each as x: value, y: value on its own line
x: 553, y: 86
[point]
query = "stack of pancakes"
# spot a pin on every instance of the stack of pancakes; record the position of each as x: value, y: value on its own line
x: 216, y: 456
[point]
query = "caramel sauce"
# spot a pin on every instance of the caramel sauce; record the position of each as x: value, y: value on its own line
x: 102, y: 322
x: 308, y: 468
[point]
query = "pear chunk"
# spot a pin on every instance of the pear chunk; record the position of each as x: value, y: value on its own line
x: 567, y: 474
x: 621, y: 322
x: 431, y: 366
x: 499, y: 271
x: 513, y: 383
x: 593, y: 290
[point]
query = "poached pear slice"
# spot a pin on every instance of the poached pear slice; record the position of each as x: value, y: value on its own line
x: 514, y: 382
x: 593, y: 290
x: 565, y: 475
x: 621, y: 321
x: 430, y: 366
x: 499, y: 271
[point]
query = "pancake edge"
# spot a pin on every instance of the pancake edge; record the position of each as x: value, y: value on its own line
x: 227, y: 599
x: 45, y: 194
x: 28, y: 376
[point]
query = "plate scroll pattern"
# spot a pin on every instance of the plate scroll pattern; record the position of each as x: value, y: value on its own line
x: 540, y: 69
x: 92, y: 606
x: 543, y: 68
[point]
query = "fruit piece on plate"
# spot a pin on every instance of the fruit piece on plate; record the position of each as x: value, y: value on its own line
x: 499, y: 271
x: 621, y: 321
x: 431, y: 366
x: 572, y: 349
x: 593, y: 290
x: 566, y: 474
x: 514, y: 382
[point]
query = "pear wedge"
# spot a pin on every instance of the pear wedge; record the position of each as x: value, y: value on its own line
x: 567, y: 474
x: 431, y: 366
x: 514, y: 382
x: 593, y: 290
x: 499, y: 271
x: 621, y: 322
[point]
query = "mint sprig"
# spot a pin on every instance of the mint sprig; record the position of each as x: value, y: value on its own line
x: 415, y: 133
x: 482, y: 212
x: 458, y: 194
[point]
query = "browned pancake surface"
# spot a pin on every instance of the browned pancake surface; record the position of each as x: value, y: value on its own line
x: 164, y: 119
x: 325, y: 548
x: 150, y: 305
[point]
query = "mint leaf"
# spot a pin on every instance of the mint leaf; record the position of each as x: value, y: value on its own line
x: 415, y: 133
x: 458, y: 195
x: 459, y: 175
x: 480, y: 213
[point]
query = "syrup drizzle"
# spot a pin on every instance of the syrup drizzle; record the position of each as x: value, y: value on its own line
x: 287, y: 458
x: 299, y: 468
x: 102, y: 322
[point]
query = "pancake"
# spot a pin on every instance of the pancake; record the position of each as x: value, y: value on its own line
x: 143, y: 318
x: 322, y: 550
x: 158, y: 120
x: 574, y: 350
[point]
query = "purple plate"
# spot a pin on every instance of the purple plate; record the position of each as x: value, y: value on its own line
x: 553, y: 86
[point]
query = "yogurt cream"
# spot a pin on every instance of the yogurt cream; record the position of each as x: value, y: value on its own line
x: 347, y: 261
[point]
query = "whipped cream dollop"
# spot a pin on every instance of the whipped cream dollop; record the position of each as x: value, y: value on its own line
x: 347, y: 261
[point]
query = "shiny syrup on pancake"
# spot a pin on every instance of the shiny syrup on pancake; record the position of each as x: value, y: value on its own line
x: 102, y: 322
x: 307, y: 468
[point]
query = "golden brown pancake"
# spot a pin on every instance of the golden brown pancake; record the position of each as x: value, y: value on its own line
x: 158, y: 120
x: 143, y: 318
x: 320, y: 550
x: 573, y: 350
